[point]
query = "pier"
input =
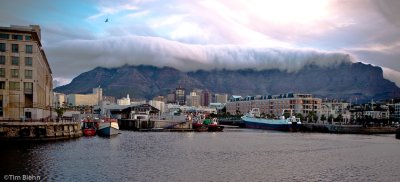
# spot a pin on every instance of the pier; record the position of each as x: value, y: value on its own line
x: 39, y: 130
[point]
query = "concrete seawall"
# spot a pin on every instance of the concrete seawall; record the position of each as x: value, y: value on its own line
x: 39, y: 130
x: 346, y: 129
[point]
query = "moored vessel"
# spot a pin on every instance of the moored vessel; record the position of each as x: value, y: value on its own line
x: 253, y: 120
x: 89, y: 127
x: 108, y: 127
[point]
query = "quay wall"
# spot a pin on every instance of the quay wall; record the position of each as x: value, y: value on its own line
x: 346, y: 129
x: 39, y: 130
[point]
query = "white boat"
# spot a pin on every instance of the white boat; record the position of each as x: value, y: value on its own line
x: 108, y: 127
x: 253, y: 120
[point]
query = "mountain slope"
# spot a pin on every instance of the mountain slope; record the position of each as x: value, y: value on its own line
x: 343, y: 81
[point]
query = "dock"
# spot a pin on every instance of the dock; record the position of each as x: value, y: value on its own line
x: 39, y: 131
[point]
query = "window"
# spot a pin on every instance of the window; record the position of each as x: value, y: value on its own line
x: 28, y: 61
x: 28, y: 73
x: 15, y: 60
x: 28, y: 49
x: 14, y: 48
x: 28, y: 37
x: 28, y: 87
x: 2, y: 60
x: 2, y: 72
x: 14, y: 85
x: 2, y: 85
x: 16, y: 37
x: 2, y: 47
x: 4, y: 36
x: 14, y: 73
x: 1, y: 105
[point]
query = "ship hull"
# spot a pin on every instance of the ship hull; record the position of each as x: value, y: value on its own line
x: 279, y: 125
x: 108, y: 129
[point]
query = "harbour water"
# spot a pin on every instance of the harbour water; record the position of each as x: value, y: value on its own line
x: 232, y: 155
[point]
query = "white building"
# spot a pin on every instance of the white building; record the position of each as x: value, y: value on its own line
x: 124, y: 101
x: 59, y: 100
x: 160, y: 105
x: 92, y: 99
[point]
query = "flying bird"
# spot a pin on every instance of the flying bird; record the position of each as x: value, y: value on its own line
x: 106, y: 20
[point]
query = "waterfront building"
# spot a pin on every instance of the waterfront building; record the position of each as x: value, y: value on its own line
x: 160, y: 105
x: 124, y: 101
x: 397, y: 111
x: 334, y: 108
x: 220, y: 98
x: 275, y: 104
x: 180, y: 96
x: 92, y: 99
x: 25, y: 75
x: 59, y: 100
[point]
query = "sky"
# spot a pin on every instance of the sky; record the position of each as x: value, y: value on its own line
x: 208, y: 34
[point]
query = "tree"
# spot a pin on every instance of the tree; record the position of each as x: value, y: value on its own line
x: 60, y: 112
x: 330, y: 118
x: 300, y: 116
x: 323, y: 117
x: 339, y: 118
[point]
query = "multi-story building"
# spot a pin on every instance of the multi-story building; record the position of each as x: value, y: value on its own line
x: 180, y: 96
x: 160, y: 105
x: 25, y: 74
x: 86, y: 99
x: 125, y: 101
x: 275, y: 104
x: 335, y: 108
x: 205, y: 98
x: 397, y: 111
x: 59, y: 100
x: 193, y: 99
x: 220, y: 98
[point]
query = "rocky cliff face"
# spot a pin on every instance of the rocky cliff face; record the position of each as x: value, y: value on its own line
x: 343, y: 81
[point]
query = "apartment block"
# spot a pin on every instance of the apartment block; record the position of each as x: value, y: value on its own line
x: 25, y: 75
x: 275, y: 104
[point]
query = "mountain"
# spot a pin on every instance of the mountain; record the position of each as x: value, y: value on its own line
x: 344, y: 81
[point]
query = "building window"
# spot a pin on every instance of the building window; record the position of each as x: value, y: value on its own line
x: 14, y: 86
x: 2, y: 85
x: 28, y: 49
x: 28, y: 61
x: 2, y: 72
x: 15, y: 60
x: 1, y: 105
x: 2, y: 60
x: 14, y: 48
x: 4, y: 36
x: 2, y: 47
x: 28, y: 37
x: 28, y: 87
x: 17, y: 37
x: 14, y: 73
x: 28, y: 73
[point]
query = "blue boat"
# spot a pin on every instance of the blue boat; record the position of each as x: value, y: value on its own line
x: 108, y: 128
x: 253, y: 120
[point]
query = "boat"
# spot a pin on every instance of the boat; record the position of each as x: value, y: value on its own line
x: 398, y: 133
x: 252, y: 119
x: 89, y: 127
x: 197, y: 124
x: 212, y: 125
x: 108, y: 127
